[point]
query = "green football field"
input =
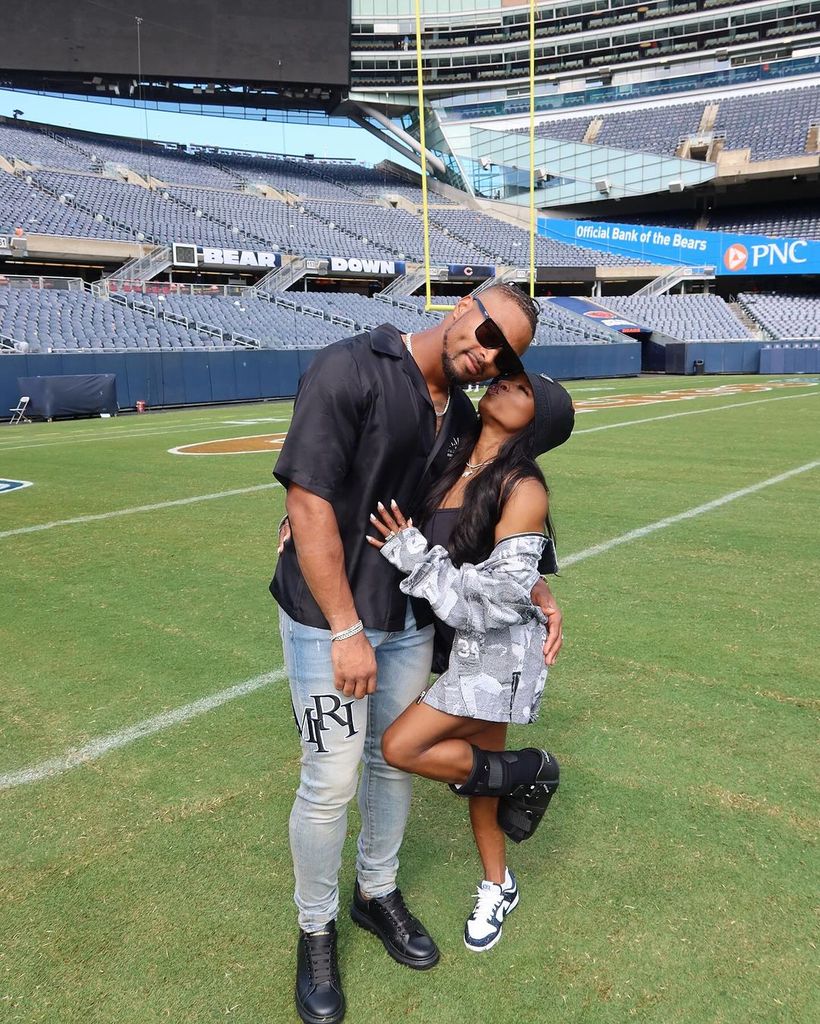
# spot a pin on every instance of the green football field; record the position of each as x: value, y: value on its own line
x: 148, y: 754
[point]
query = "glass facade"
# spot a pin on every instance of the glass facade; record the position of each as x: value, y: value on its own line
x: 496, y: 165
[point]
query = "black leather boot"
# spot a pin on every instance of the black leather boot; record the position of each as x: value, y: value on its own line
x: 404, y: 937
x: 319, y: 996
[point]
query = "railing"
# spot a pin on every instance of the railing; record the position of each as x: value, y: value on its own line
x: 674, y: 276
x: 43, y: 282
x: 288, y: 275
x: 407, y: 283
x: 137, y: 270
x: 245, y: 341
x: 224, y: 291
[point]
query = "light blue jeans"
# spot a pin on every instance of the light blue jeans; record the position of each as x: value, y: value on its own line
x: 337, y: 733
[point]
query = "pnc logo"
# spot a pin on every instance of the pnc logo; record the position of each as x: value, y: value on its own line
x: 736, y: 257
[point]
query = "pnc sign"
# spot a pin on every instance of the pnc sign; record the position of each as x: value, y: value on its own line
x: 768, y: 255
x: 722, y: 252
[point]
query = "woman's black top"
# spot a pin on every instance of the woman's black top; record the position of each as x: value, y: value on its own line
x: 438, y: 530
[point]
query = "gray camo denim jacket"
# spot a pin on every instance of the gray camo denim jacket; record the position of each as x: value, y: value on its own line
x: 497, y: 652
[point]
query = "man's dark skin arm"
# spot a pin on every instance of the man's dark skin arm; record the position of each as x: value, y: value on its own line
x: 322, y: 561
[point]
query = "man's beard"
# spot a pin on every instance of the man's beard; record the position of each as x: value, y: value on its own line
x: 450, y: 371
x: 449, y: 367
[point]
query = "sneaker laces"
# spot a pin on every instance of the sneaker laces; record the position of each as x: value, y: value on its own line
x: 320, y: 957
x: 488, y: 901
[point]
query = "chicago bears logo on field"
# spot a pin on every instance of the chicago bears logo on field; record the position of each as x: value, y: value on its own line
x: 736, y: 257
x: 13, y: 485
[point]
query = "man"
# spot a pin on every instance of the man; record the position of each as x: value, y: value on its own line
x: 374, y: 419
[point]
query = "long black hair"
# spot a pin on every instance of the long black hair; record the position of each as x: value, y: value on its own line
x: 485, y: 495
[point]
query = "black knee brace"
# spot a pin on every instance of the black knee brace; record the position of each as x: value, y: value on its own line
x: 500, y: 772
x: 520, y: 813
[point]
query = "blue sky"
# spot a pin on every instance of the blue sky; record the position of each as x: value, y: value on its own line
x: 267, y: 137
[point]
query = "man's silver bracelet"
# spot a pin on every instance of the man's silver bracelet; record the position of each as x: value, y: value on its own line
x: 345, y: 634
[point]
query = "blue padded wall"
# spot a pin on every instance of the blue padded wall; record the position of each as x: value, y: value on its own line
x: 199, y: 378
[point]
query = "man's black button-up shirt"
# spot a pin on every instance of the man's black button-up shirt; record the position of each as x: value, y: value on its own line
x: 363, y: 429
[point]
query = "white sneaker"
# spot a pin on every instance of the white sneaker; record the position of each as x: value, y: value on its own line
x: 510, y: 890
x: 493, y: 903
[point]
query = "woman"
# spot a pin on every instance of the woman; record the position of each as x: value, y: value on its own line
x: 476, y: 563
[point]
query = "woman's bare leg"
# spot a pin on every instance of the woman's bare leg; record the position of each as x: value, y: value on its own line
x: 439, y: 746
x: 428, y: 742
x: 489, y: 838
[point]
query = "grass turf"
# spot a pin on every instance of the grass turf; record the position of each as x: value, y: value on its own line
x: 672, y: 879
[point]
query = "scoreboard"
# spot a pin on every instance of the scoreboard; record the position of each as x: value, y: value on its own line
x: 269, y: 42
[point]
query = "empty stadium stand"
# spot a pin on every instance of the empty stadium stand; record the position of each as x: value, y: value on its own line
x: 507, y: 243
x: 74, y: 320
x: 801, y: 220
x: 24, y: 206
x: 784, y: 317
x: 772, y: 124
x: 556, y: 325
x: 689, y: 317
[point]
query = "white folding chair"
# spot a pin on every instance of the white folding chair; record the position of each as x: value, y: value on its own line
x: 18, y: 413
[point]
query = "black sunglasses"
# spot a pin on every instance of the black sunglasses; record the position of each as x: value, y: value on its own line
x: 489, y: 335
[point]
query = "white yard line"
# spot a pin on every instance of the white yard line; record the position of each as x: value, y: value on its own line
x: 133, y: 511
x: 690, y: 412
x: 698, y: 510
x: 121, y: 435
x: 101, y: 745
x: 133, y: 426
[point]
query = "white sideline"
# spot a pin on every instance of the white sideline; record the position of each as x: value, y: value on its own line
x: 102, y: 744
x: 133, y: 511
x: 96, y: 748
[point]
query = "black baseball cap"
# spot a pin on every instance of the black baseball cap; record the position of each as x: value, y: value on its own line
x: 554, y: 413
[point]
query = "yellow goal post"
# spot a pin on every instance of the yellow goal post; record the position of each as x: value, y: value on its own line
x: 429, y: 304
